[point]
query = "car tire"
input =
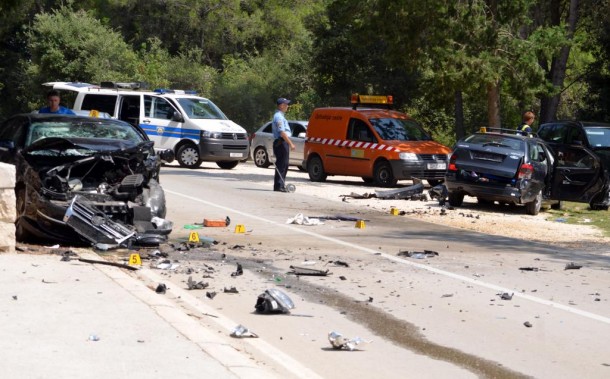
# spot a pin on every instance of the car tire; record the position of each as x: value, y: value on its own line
x: 21, y: 235
x: 315, y: 168
x: 434, y: 182
x: 227, y: 165
x: 533, y: 207
x: 455, y: 199
x: 383, y: 175
x: 188, y: 156
x: 261, y: 158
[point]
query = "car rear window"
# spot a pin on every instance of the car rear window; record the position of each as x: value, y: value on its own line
x: 497, y: 141
x: 598, y: 137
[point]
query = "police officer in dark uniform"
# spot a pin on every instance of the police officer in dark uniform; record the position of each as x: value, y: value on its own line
x: 281, y: 144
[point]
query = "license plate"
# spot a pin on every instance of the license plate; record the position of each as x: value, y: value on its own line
x: 437, y: 166
x: 236, y: 155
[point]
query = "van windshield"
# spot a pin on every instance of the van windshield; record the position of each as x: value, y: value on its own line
x: 395, y: 129
x: 199, y: 108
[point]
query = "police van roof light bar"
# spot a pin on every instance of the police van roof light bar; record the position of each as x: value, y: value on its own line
x: 358, y: 100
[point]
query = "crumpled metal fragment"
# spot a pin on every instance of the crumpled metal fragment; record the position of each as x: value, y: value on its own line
x: 338, y: 342
x: 241, y: 331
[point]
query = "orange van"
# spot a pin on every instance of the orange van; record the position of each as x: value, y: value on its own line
x: 378, y: 144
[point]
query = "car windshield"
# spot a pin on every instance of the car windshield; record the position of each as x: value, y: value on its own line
x: 199, y: 108
x: 396, y: 129
x: 94, y: 129
x: 496, y: 140
x: 598, y: 137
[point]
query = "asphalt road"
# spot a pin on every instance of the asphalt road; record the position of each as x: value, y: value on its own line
x: 484, y: 306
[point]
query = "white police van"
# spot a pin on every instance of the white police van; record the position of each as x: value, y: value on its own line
x: 193, y: 127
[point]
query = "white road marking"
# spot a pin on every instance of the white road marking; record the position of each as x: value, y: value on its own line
x: 448, y: 274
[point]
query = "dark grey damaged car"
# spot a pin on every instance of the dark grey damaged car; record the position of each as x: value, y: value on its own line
x: 84, y: 181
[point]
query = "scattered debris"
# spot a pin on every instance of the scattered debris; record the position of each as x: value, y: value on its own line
x: 94, y: 337
x: 210, y: 295
x: 506, y: 295
x: 572, y: 266
x: 301, y: 219
x: 529, y: 269
x: 439, y: 192
x: 161, y: 288
x: 273, y: 301
x: 339, y: 218
x: 230, y: 290
x: 192, y: 285
x: 166, y: 264
x: 340, y: 263
x: 447, y: 295
x: 354, y: 195
x: 307, y: 271
x: 409, y: 192
x: 527, y: 324
x: 342, y: 277
x: 216, y: 223
x: 418, y: 254
x: 14, y: 297
x: 239, y: 271
x: 339, y: 342
x: 241, y: 331
x: 237, y: 247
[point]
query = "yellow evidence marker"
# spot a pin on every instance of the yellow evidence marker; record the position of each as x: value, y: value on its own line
x: 394, y: 211
x: 240, y: 229
x: 194, y: 237
x: 134, y: 259
x: 360, y: 224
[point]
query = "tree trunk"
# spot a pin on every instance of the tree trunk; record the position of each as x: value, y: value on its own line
x: 459, y: 115
x: 493, y: 105
x: 557, y: 73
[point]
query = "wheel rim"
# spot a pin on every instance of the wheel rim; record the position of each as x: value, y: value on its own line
x: 260, y: 157
x: 189, y: 156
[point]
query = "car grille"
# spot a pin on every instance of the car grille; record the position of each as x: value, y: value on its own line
x: 234, y: 136
x: 433, y: 157
x: 235, y: 147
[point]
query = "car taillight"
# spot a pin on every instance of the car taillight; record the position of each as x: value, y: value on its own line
x: 525, y: 171
x: 452, y: 166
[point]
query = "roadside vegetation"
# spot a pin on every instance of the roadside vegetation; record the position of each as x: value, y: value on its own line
x: 455, y: 66
x: 581, y: 214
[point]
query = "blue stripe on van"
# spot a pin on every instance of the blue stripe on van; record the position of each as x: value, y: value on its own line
x: 169, y: 131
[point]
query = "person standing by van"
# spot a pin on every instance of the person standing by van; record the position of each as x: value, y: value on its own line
x: 53, y: 107
x: 526, y: 126
x: 281, y: 144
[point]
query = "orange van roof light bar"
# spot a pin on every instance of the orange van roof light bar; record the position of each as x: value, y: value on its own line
x: 357, y: 100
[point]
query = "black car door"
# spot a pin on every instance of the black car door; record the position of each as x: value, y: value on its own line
x: 579, y: 178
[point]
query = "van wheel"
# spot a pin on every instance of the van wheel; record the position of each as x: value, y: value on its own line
x: 383, y: 176
x: 261, y: 158
x: 455, y: 199
x: 227, y: 165
x: 188, y: 156
x: 533, y: 207
x: 315, y: 168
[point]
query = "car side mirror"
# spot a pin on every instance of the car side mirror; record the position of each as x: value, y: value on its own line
x: 167, y: 156
x: 176, y: 116
x: 301, y: 135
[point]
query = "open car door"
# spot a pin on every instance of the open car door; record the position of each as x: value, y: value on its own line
x: 579, y: 176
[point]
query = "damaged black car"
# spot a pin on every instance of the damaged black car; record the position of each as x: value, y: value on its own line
x: 85, y: 181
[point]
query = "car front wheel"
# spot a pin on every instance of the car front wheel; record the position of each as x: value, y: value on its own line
x: 188, y: 156
x: 261, y: 158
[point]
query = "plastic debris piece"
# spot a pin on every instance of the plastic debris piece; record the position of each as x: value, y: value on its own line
x: 241, y: 331
x: 418, y: 254
x: 239, y: 271
x: 527, y: 324
x: 273, y: 301
x: 401, y: 193
x: 342, y: 277
x: 210, y: 295
x: 166, y: 264
x: 94, y: 337
x: 192, y: 285
x: 529, y: 268
x: 307, y: 271
x: 301, y: 219
x: 572, y: 266
x: 161, y: 288
x: 230, y: 290
x: 339, y: 342
x: 341, y: 263
x: 506, y: 295
x: 560, y: 219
